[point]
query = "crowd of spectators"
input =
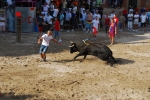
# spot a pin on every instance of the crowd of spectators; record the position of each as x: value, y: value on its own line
x: 72, y: 12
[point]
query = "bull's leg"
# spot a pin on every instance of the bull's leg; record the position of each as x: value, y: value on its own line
x: 77, y: 56
x: 84, y: 56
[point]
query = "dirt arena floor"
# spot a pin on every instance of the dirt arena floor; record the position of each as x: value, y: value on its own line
x: 24, y: 76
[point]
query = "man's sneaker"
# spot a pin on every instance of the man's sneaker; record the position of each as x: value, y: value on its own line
x: 59, y: 40
x: 68, y: 31
x: 3, y: 35
x: 44, y: 59
x: 72, y: 30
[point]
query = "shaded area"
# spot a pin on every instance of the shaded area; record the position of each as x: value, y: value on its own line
x: 12, y: 96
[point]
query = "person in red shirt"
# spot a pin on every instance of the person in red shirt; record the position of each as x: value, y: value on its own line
x: 125, y: 13
x: 57, y: 29
x: 107, y: 23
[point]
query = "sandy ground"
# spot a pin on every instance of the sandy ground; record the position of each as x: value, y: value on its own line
x: 23, y: 76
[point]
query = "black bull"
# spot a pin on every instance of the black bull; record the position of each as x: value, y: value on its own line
x: 92, y: 48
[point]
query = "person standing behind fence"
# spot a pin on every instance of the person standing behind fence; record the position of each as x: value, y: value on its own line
x: 61, y: 18
x: 68, y: 17
x: 136, y: 21
x: 49, y: 21
x: 57, y: 29
x: 89, y: 22
x: 130, y: 20
x: 112, y: 31
x: 107, y: 23
x: 40, y: 23
x: 148, y: 14
x: 143, y: 21
x: 96, y: 27
x: 121, y: 22
x: 2, y: 24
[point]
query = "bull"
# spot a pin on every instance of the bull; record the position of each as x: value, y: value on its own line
x: 99, y: 50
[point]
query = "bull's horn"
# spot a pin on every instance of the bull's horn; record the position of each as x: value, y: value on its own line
x: 71, y: 46
x: 71, y: 42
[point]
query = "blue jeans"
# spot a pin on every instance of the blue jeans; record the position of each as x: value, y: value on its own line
x: 56, y: 34
x: 43, y: 49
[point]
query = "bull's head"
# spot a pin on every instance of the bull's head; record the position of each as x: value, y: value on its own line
x: 73, y: 47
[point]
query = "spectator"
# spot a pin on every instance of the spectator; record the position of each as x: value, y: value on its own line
x: 74, y: 9
x: 49, y: 21
x: 121, y: 21
x: 2, y: 24
x: 68, y: 17
x: 40, y: 23
x: 89, y: 22
x: 84, y: 19
x: 112, y: 31
x: 48, y: 2
x: 57, y: 29
x: 51, y: 9
x: 143, y: 21
x: 69, y: 3
x: 106, y: 23
x: 96, y: 27
x: 130, y: 20
x: 45, y: 44
x: 45, y: 8
x: 97, y: 15
x: 55, y: 12
x: 73, y: 18
x: 64, y: 5
x: 136, y: 21
x: 148, y: 15
x: 61, y: 18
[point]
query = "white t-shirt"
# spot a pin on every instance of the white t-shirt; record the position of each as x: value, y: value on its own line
x: 130, y: 17
x: 74, y: 10
x: 51, y: 7
x: 143, y: 18
x: 48, y: 1
x: 64, y: 4
x: 49, y: 19
x: 55, y: 12
x: 84, y: 16
x: 97, y: 15
x: 136, y: 16
x: 95, y: 23
x: 3, y: 19
x: 45, y: 8
x: 46, y: 39
x: 9, y: 2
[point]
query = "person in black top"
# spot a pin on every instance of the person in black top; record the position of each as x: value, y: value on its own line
x: 40, y: 23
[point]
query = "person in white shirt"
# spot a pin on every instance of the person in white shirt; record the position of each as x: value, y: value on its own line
x: 45, y: 8
x: 49, y: 21
x: 144, y: 18
x: 48, y: 2
x: 96, y: 26
x: 2, y: 24
x: 97, y: 15
x: 55, y: 12
x: 51, y: 9
x: 9, y: 2
x: 130, y: 20
x: 136, y: 21
x: 74, y: 9
x: 83, y: 19
x: 46, y: 38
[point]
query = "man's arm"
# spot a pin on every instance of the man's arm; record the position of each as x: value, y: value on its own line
x: 54, y: 40
x: 39, y: 40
